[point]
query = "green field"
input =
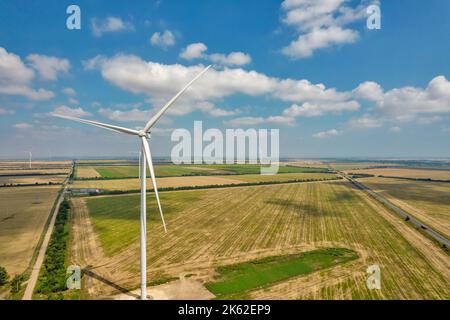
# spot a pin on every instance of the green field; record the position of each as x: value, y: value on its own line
x: 242, y: 277
x: 126, y: 213
x: 125, y: 171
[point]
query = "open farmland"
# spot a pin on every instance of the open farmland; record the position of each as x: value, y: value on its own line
x: 427, y: 201
x: 38, y: 179
x: 206, y: 232
x: 407, y: 173
x: 23, y: 214
x: 173, y: 182
x: 34, y: 165
x: 125, y: 171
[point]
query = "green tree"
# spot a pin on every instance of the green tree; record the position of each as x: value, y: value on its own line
x: 3, y: 276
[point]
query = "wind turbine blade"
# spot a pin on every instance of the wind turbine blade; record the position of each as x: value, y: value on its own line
x: 148, y: 156
x: 171, y: 101
x: 101, y: 125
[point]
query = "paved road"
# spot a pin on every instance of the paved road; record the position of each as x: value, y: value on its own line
x: 406, y: 216
x: 31, y: 284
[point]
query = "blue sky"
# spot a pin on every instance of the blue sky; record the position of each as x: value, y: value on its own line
x: 312, y: 69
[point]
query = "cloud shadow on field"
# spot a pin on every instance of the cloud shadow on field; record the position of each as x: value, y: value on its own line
x: 300, y: 207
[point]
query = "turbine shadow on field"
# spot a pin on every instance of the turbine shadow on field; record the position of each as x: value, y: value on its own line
x: 88, y: 271
x: 299, y: 207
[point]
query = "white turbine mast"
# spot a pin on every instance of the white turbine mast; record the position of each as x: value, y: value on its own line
x: 145, y: 159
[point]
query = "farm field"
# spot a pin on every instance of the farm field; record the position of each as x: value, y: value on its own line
x: 9, y: 172
x: 35, y: 164
x: 134, y: 184
x: 242, y: 277
x: 407, y: 173
x: 122, y: 171
x: 206, y: 232
x: 23, y: 214
x: 427, y: 201
x: 32, y: 179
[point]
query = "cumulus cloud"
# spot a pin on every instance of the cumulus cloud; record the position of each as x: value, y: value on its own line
x: 109, y: 25
x: 16, y: 78
x: 395, y: 129
x: 255, y: 121
x: 327, y: 134
x: 320, y: 108
x: 194, y: 51
x: 23, y: 126
x: 160, y: 82
x: 365, y: 122
x: 407, y: 104
x: 198, y: 51
x: 48, y: 67
x: 163, y: 40
x: 70, y: 112
x: 320, y: 24
x: 69, y: 91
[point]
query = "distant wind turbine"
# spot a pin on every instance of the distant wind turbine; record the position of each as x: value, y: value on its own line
x: 145, y: 158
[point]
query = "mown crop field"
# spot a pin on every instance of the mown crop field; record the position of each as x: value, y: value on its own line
x: 125, y: 171
x: 427, y: 201
x: 134, y: 184
x: 407, y: 173
x: 212, y: 228
x: 23, y: 214
x: 18, y: 180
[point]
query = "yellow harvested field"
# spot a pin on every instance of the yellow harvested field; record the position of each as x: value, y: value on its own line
x: 133, y: 184
x: 86, y: 172
x: 32, y: 179
x: 427, y: 201
x: 407, y: 173
x: 23, y: 214
x: 34, y: 164
x: 284, y: 177
x: 4, y: 172
x: 209, y: 228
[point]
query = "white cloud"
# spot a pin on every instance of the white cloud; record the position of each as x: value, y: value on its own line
x: 320, y: 108
x: 306, y: 44
x: 320, y: 24
x: 109, y: 25
x: 327, y: 134
x: 70, y: 92
x: 160, y: 82
x: 163, y: 40
x: 48, y: 67
x: 395, y: 129
x: 407, y: 104
x: 23, y: 126
x: 365, y: 122
x: 194, y: 51
x: 369, y: 90
x: 255, y: 121
x: 70, y: 112
x: 15, y: 78
x: 232, y: 59
x: 134, y: 115
x: 197, y: 51
x: 446, y: 129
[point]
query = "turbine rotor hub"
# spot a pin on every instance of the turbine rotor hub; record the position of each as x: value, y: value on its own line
x: 142, y: 133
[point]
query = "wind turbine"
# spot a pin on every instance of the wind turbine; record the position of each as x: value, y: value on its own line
x: 30, y: 156
x: 145, y: 158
